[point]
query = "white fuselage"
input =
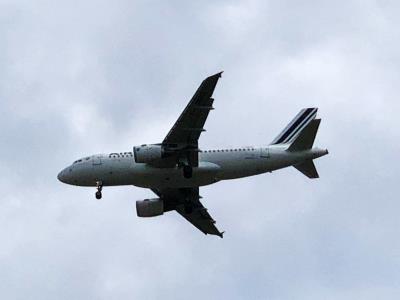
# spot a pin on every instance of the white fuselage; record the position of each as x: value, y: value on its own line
x: 214, y: 165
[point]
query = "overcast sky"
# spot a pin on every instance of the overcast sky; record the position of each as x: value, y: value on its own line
x: 84, y: 77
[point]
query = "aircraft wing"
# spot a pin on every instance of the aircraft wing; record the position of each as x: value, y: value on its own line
x: 184, y: 135
x: 177, y: 199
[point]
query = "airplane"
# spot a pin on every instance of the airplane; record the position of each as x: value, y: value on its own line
x: 175, y: 168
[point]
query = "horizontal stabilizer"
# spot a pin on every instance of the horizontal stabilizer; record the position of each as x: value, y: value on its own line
x: 308, y: 169
x: 305, y: 139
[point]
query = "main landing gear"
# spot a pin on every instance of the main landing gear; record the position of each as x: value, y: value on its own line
x: 187, y: 171
x: 99, y: 186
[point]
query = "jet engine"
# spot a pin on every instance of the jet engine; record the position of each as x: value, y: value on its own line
x: 150, y: 207
x: 148, y: 153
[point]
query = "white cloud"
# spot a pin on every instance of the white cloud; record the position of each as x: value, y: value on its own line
x: 81, y: 78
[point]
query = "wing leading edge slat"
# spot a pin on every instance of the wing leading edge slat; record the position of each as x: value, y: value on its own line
x: 190, y: 124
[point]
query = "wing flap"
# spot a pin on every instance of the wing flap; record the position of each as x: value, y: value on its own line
x: 200, y: 218
x: 176, y: 199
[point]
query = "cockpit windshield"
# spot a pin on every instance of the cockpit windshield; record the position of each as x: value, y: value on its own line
x: 81, y: 160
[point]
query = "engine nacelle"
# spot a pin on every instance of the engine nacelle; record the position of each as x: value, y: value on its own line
x: 150, y: 207
x: 148, y: 153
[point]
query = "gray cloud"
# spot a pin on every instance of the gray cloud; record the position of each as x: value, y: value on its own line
x: 80, y: 78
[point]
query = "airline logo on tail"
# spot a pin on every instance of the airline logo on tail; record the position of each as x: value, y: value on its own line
x: 292, y: 130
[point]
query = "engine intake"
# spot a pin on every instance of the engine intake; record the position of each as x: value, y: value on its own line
x: 149, y: 207
x: 148, y: 153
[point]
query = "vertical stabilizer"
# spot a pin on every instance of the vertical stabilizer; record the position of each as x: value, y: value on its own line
x: 292, y: 130
x: 305, y: 139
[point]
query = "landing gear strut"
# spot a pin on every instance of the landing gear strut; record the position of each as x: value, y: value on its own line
x: 187, y: 171
x: 99, y: 186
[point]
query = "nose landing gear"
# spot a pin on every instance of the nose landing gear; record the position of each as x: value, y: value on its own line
x: 99, y: 186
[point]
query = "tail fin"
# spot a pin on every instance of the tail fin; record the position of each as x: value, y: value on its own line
x: 306, y: 137
x: 292, y: 130
x: 307, y: 168
x: 304, y: 141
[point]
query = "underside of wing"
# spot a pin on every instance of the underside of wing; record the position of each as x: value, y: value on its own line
x: 186, y: 202
x: 184, y: 135
x: 200, y: 218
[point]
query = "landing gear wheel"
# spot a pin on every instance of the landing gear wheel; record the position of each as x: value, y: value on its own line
x: 187, y: 171
x: 99, y: 186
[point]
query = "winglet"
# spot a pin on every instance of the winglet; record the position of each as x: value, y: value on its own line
x: 219, y: 74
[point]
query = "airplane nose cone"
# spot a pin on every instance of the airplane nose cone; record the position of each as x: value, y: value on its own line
x: 61, y: 176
